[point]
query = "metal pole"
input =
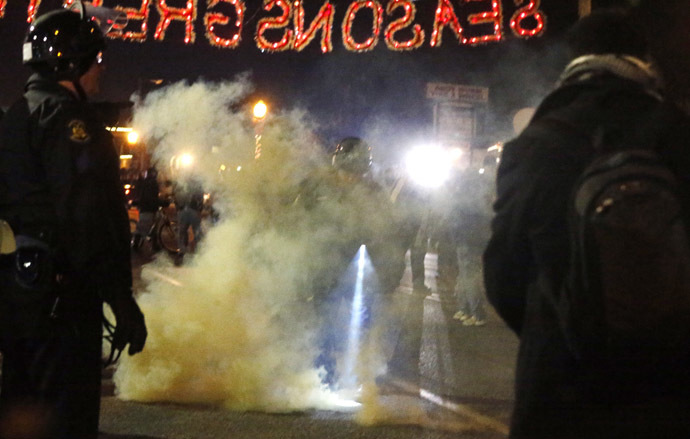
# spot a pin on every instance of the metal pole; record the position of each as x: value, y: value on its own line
x: 585, y: 8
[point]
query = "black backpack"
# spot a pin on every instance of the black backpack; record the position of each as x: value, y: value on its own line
x: 626, y: 299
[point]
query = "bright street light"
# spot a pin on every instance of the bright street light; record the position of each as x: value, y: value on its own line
x: 260, y: 110
x: 186, y: 160
x: 132, y: 137
x: 428, y: 166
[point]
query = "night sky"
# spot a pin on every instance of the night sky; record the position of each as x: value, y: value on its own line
x: 344, y: 89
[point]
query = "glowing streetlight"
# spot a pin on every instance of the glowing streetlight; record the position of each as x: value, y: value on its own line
x: 186, y: 160
x: 455, y: 154
x: 260, y: 110
x: 132, y: 137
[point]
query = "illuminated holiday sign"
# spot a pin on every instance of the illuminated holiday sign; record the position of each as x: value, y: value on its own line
x: 287, y: 25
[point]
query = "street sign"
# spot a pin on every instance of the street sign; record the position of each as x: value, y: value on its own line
x: 457, y: 92
x: 456, y: 123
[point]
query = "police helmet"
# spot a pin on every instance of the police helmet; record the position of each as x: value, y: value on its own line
x: 63, y: 44
x: 352, y: 155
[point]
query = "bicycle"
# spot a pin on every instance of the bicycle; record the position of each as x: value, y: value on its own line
x: 162, y: 235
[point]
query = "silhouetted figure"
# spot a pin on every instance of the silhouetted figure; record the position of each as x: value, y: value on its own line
x: 66, y: 206
x: 609, y: 99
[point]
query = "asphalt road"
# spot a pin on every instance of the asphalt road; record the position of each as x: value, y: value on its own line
x: 465, y: 390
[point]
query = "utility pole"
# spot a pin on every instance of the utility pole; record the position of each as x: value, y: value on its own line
x: 585, y: 8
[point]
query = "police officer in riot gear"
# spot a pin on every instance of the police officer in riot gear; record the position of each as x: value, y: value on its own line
x: 353, y: 156
x: 369, y: 220
x: 62, y: 198
x: 353, y: 159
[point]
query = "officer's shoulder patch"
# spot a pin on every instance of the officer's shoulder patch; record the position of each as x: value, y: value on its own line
x: 78, y: 131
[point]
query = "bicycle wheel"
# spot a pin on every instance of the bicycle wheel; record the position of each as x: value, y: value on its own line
x: 167, y: 237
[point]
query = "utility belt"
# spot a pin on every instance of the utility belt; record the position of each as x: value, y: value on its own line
x: 34, y: 265
x: 29, y: 289
x: 30, y: 255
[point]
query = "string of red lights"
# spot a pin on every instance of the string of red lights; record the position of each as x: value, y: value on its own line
x: 400, y: 34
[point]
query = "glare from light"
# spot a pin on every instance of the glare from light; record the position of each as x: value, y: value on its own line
x: 356, y: 319
x: 132, y: 137
x: 497, y: 147
x: 120, y: 129
x: 125, y: 156
x: 186, y: 160
x: 455, y: 153
x: 239, y: 168
x: 347, y: 404
x: 482, y: 170
x: 429, y: 166
x: 222, y: 167
x: 260, y: 110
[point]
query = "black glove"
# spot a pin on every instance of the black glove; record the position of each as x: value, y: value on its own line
x: 130, y: 327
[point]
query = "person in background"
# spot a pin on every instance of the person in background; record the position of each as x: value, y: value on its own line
x: 442, y: 237
x: 348, y: 182
x: 471, y: 218
x: 413, y: 206
x: 66, y: 207
x: 189, y: 200
x: 148, y: 202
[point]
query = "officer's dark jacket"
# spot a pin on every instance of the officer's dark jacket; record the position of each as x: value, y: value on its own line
x: 527, y: 256
x: 60, y: 182
x: 361, y: 212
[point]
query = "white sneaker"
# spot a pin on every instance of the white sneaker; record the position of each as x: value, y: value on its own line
x: 461, y: 316
x: 473, y: 321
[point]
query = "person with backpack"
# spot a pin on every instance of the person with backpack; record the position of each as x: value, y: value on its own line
x: 588, y: 261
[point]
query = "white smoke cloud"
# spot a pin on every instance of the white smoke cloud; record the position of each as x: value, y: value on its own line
x: 240, y: 329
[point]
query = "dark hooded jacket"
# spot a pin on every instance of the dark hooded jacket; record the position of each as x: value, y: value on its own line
x: 528, y: 254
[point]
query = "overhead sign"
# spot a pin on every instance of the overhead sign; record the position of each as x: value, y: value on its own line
x: 457, y: 92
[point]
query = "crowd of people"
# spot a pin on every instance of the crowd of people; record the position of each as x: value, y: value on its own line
x: 60, y: 189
